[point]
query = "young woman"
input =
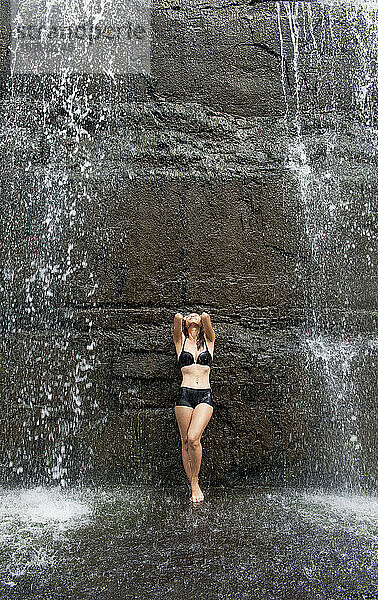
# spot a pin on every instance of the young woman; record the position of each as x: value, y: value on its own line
x: 194, y: 340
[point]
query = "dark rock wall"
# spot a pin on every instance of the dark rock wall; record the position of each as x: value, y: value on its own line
x: 187, y: 202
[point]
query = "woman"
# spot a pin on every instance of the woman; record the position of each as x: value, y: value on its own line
x: 195, y: 348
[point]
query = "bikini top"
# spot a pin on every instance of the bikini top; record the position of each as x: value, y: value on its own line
x: 186, y: 358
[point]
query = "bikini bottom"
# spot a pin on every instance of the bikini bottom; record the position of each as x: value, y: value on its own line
x: 193, y: 396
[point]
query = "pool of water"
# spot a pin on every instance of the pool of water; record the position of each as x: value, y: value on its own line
x: 142, y: 542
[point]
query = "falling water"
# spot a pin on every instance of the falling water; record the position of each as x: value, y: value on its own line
x: 333, y: 157
x: 54, y: 106
x: 56, y: 274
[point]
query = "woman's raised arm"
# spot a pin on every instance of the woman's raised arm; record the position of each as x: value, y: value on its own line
x: 206, y: 322
x: 177, y: 327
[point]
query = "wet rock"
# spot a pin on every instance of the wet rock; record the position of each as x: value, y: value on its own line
x: 183, y: 194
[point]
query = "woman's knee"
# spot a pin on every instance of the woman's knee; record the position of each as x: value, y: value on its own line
x: 185, y: 444
x: 193, y: 440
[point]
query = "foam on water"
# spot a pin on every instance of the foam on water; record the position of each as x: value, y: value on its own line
x: 355, y: 515
x: 367, y: 4
x: 40, y: 505
x: 31, y: 521
x: 361, y: 507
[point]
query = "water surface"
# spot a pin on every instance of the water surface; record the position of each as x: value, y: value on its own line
x: 128, y: 542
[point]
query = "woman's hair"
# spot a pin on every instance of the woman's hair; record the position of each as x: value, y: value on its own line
x: 201, y: 335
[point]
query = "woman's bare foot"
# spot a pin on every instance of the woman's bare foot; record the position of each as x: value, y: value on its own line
x: 197, y: 495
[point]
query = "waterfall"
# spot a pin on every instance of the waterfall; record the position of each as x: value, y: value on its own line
x: 73, y: 260
x: 54, y: 106
x: 333, y: 157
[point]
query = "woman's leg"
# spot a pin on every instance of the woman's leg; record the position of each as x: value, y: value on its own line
x: 200, y: 418
x: 183, y: 417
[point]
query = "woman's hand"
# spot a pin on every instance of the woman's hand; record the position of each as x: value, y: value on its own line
x: 204, y: 317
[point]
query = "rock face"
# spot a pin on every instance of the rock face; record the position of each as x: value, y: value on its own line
x: 204, y: 186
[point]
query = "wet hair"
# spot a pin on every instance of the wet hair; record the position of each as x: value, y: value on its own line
x: 201, y: 335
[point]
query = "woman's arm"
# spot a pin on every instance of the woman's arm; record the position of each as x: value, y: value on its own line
x: 209, y: 331
x: 177, y: 327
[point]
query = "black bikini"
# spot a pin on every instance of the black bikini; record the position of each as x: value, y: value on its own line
x: 193, y: 396
x: 204, y: 358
